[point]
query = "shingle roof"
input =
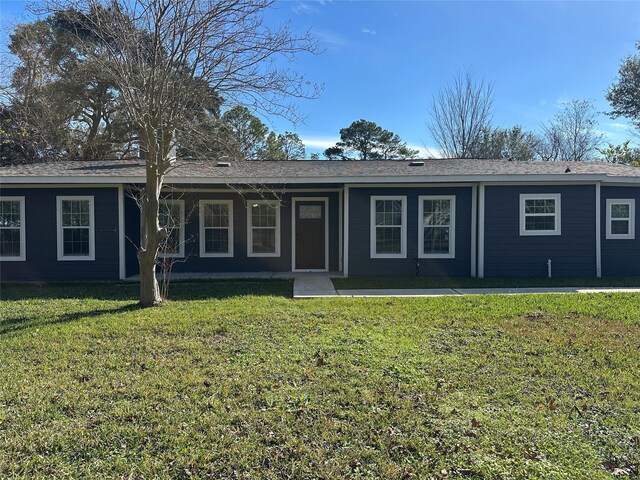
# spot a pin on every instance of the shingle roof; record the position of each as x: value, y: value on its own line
x: 323, y: 171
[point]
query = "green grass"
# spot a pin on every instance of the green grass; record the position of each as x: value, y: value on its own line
x: 237, y: 380
x: 468, y: 282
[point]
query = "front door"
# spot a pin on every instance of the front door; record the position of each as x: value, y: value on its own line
x: 310, y: 235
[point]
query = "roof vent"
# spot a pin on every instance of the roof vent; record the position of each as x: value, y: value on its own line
x: 416, y: 163
x: 567, y: 170
x: 223, y: 164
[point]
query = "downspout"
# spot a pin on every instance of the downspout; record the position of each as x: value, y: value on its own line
x: 121, y: 237
x: 598, y: 233
x: 474, y: 231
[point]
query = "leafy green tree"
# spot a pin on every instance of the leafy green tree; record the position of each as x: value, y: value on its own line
x: 292, y: 146
x: 369, y: 141
x: 60, y: 93
x: 248, y: 133
x: 624, y: 94
x: 620, y: 154
x: 272, y: 149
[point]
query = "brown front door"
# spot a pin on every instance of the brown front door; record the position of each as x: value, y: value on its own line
x: 310, y: 235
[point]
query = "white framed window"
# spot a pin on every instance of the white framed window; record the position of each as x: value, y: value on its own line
x: 540, y: 214
x: 263, y: 228
x: 216, y: 228
x: 76, y: 228
x: 12, y: 229
x: 621, y: 215
x: 388, y: 234
x: 436, y: 226
x: 171, y: 220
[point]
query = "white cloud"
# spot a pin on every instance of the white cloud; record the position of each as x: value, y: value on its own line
x: 304, y: 8
x: 425, y: 151
x: 330, y: 38
x: 319, y: 143
x: 369, y: 31
x: 617, y: 126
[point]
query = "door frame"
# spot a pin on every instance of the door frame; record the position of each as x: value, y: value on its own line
x: 294, y: 200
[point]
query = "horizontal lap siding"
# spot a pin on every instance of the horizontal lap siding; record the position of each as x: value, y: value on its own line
x: 41, y: 237
x: 360, y: 261
x: 508, y: 254
x: 620, y: 257
x: 240, y: 262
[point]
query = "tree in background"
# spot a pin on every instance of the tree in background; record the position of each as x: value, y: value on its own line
x: 624, y: 94
x: 368, y: 141
x: 60, y: 98
x: 460, y: 114
x: 165, y: 57
x: 513, y: 143
x: 246, y: 131
x: 571, y: 135
x: 283, y: 146
x: 623, y: 154
x: 292, y: 146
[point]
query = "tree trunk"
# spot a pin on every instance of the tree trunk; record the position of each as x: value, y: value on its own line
x: 150, y: 237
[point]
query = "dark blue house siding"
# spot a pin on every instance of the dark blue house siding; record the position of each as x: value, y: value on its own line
x: 240, y: 262
x: 620, y: 257
x: 507, y: 254
x: 360, y: 261
x: 41, y: 237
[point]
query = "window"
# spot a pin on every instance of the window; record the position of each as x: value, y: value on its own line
x: 76, y: 238
x: 12, y: 237
x: 216, y: 228
x: 436, y: 231
x: 264, y: 228
x: 388, y: 227
x: 171, y: 219
x: 621, y: 219
x: 540, y: 214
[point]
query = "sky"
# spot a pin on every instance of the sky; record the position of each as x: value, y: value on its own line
x: 383, y: 61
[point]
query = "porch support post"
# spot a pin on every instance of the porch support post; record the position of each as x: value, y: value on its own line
x: 474, y: 230
x: 481, y: 209
x: 121, y: 237
x: 598, y: 233
x: 345, y: 266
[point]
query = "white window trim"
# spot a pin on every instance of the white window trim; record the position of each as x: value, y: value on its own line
x: 180, y: 253
x: 452, y: 226
x: 276, y: 205
x: 229, y: 204
x: 92, y: 225
x: 540, y: 196
x: 23, y: 243
x: 632, y: 217
x: 403, y: 227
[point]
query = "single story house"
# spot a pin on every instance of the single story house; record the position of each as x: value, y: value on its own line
x: 479, y: 218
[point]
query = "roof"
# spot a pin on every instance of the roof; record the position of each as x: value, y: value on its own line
x: 322, y: 171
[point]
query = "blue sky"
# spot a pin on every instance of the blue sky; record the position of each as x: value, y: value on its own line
x: 383, y: 61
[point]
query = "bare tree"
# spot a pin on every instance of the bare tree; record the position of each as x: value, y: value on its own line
x: 166, y: 57
x: 459, y: 114
x: 571, y: 135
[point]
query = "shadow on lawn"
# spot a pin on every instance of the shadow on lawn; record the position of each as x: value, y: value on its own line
x: 17, y: 324
x: 178, y: 291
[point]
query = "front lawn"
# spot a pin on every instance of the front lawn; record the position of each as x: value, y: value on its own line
x: 469, y: 282
x: 237, y: 380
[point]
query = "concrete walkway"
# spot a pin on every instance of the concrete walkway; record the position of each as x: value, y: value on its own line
x: 440, y: 292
